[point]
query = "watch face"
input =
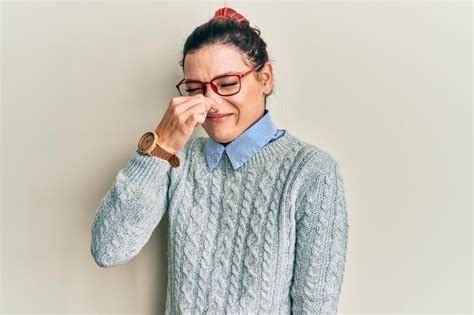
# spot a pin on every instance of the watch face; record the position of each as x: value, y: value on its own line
x: 146, y: 141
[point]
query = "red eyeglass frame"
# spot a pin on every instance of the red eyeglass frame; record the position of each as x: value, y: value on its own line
x: 214, y: 87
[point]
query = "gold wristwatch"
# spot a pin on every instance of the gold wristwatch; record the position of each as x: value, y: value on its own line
x: 148, y: 144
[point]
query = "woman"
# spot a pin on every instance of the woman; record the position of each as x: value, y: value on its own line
x: 258, y: 220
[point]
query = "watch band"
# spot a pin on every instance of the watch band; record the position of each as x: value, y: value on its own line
x: 158, y: 151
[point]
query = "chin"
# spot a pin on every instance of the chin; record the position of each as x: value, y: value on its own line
x: 220, y: 136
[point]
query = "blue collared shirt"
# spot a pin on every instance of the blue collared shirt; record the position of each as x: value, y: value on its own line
x: 241, y: 149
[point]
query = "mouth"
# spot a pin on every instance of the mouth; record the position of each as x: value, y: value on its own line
x: 218, y: 117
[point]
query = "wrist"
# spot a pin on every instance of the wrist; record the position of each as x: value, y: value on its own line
x: 164, y: 144
x: 167, y: 148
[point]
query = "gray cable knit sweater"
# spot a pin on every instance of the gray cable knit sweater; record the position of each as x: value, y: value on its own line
x: 268, y: 238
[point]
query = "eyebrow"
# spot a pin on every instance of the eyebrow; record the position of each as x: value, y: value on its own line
x: 228, y: 72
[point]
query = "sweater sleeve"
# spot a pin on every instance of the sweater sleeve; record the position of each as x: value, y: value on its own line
x: 321, y: 245
x: 130, y: 210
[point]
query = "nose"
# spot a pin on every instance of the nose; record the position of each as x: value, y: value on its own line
x: 209, y: 91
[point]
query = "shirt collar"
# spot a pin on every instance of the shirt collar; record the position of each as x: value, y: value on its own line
x: 242, y: 148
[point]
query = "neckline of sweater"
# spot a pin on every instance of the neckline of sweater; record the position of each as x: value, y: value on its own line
x: 268, y: 152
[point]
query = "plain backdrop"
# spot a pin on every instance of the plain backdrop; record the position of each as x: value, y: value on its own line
x: 383, y: 86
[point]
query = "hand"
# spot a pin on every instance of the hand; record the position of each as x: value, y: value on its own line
x: 184, y: 113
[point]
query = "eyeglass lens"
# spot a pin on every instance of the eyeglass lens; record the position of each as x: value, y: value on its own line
x: 226, y: 85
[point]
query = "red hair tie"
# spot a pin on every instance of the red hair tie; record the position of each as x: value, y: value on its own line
x: 226, y: 12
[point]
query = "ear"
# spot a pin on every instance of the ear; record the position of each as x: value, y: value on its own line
x: 266, y: 77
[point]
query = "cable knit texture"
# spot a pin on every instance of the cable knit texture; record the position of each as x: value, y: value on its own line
x: 267, y: 238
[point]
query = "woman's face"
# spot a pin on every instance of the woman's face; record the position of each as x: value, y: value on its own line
x: 244, y: 108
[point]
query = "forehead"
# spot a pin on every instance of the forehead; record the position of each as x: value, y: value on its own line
x: 210, y: 61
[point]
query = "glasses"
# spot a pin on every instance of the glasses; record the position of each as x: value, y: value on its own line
x: 224, y: 85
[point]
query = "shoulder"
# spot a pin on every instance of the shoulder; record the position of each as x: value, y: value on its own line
x: 317, y: 178
x: 315, y: 167
x: 314, y: 160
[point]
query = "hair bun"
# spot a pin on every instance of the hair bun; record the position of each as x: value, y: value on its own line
x: 227, y: 12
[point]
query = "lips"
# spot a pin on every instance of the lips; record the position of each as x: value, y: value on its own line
x: 217, y: 115
x: 217, y: 118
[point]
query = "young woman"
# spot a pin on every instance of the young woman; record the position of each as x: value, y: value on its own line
x: 258, y: 220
